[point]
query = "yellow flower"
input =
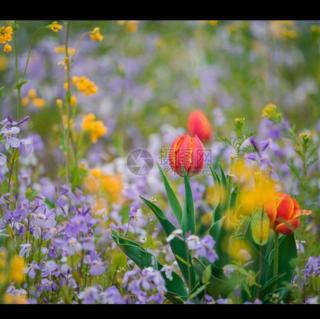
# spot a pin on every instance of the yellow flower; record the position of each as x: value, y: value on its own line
x: 241, y: 171
x: 233, y: 27
x: 315, y: 28
x: 231, y: 219
x: 17, y: 267
x: 25, y: 101
x: 3, y: 63
x: 14, y: 299
x: 238, y: 250
x: 131, y: 25
x: 305, y: 135
x: 215, y: 194
x: 84, y: 85
x: 32, y: 97
x: 5, y: 34
x: 65, y: 121
x: 213, y: 22
x: 95, y: 128
x: 3, y: 258
x: 111, y: 185
x: 73, y: 100
x: 61, y: 50
x: 59, y: 103
x: 55, y: 26
x: 7, y: 48
x: 66, y: 86
x: 95, y: 35
x: 96, y: 172
x: 39, y: 102
x: 3, y: 278
x: 283, y: 29
x: 270, y: 111
x: 32, y: 93
x: 206, y: 219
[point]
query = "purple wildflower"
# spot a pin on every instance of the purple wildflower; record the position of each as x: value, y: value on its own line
x: 146, y: 285
x: 312, y: 268
x: 111, y: 296
x: 203, y: 248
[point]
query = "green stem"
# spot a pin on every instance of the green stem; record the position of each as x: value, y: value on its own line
x: 17, y: 76
x: 260, y: 254
x: 67, y: 102
x: 276, y: 255
x: 29, y: 52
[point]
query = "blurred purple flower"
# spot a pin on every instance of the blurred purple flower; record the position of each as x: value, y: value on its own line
x: 146, y: 285
x: 111, y: 296
x: 203, y: 248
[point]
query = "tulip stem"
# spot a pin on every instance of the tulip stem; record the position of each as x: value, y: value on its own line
x: 276, y: 255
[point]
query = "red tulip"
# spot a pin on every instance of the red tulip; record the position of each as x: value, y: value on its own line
x: 186, y: 154
x: 199, y: 125
x: 284, y: 214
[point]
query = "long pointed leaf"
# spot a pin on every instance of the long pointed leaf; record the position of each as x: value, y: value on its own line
x: 178, y: 246
x: 175, y: 287
x: 173, y: 201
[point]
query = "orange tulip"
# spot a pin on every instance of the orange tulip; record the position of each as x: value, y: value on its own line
x: 186, y: 154
x: 199, y: 125
x: 284, y: 214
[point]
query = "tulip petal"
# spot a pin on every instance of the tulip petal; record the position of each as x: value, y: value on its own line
x: 288, y: 227
x: 271, y: 210
x: 173, y: 153
x: 197, y: 155
x: 285, y: 209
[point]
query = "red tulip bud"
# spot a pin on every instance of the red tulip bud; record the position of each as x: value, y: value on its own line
x: 187, y: 154
x: 199, y: 125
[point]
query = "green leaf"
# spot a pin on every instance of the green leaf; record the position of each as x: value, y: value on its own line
x: 271, y: 282
x: 260, y: 228
x: 206, y: 276
x: 215, y: 176
x: 178, y: 246
x: 21, y: 83
x: 217, y: 212
x: 176, y: 290
x: 31, y: 194
x: 287, y: 253
x: 198, y: 291
x: 139, y: 255
x: 49, y: 203
x: 188, y: 222
x: 215, y: 230
x: 173, y: 201
x: 233, y: 197
x: 223, y: 176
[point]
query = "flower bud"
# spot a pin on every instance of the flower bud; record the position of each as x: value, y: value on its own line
x: 199, y: 125
x: 186, y: 155
x: 284, y: 213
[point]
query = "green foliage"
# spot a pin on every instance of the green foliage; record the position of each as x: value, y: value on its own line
x: 188, y: 221
x: 178, y: 246
x: 176, y: 290
x: 172, y: 199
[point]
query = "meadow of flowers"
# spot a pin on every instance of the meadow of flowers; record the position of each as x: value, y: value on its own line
x: 159, y: 162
